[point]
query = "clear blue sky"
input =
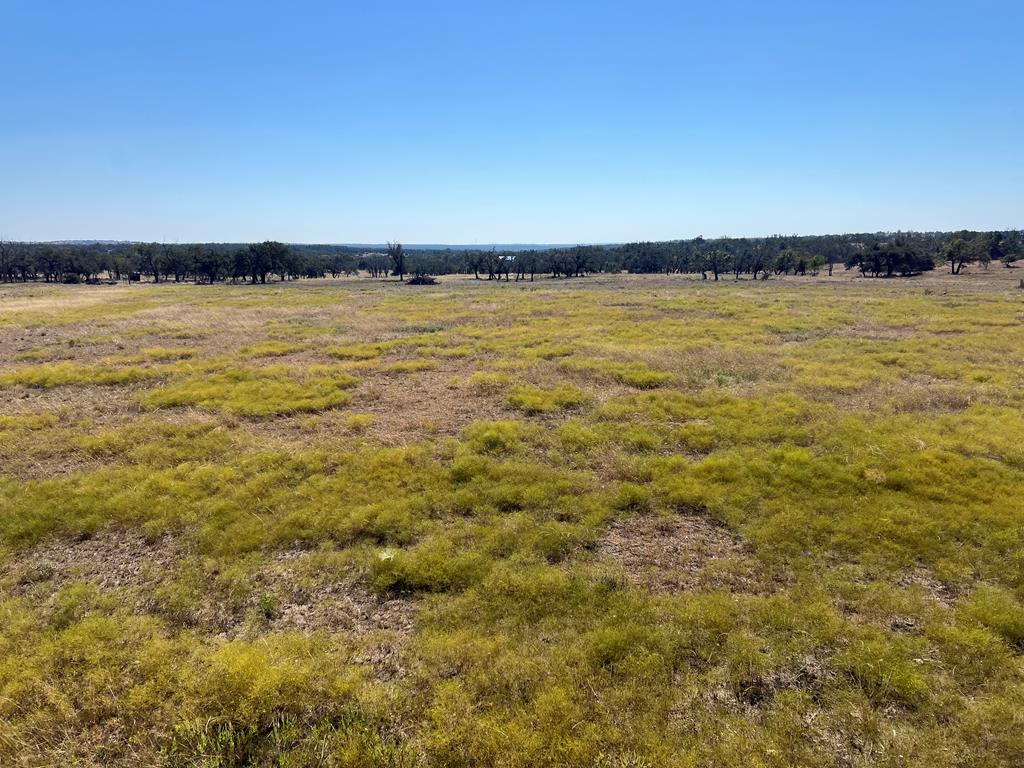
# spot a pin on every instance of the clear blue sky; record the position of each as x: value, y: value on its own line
x: 548, y: 122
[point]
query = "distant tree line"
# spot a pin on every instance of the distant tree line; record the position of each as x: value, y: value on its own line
x: 872, y: 255
x: 163, y: 262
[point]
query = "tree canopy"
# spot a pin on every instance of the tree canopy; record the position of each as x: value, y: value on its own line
x: 878, y: 255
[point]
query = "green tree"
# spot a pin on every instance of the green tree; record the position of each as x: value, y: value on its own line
x: 1011, y: 252
x: 957, y: 253
x: 266, y: 257
x: 150, y: 259
x: 717, y: 261
x: 212, y: 264
x: 397, y: 255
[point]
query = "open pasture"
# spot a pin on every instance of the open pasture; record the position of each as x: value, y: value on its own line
x: 609, y: 521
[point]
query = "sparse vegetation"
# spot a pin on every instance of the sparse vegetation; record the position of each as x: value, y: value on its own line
x: 632, y: 520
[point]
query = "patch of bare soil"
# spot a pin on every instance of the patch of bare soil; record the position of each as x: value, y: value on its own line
x: 336, y: 604
x: 109, y: 559
x: 680, y: 553
x: 292, y: 595
x: 747, y: 693
x: 915, y: 393
x: 51, y: 342
x: 875, y: 332
x: 407, y: 408
x: 931, y: 586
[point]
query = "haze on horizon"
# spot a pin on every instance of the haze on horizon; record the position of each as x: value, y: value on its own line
x: 589, y: 122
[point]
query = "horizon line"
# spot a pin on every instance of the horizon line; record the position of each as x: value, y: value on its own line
x: 521, y: 245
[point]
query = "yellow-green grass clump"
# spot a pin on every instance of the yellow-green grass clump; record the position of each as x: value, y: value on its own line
x: 533, y: 400
x: 632, y: 373
x: 49, y: 375
x: 269, y: 348
x: 488, y: 382
x: 268, y: 391
x: 359, y: 422
x: 167, y: 353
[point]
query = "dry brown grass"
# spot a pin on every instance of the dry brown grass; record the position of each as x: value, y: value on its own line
x: 109, y: 559
x: 681, y: 553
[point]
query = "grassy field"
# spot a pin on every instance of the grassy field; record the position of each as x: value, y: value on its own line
x: 611, y: 521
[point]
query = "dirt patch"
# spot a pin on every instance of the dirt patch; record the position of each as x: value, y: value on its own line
x: 680, y: 553
x: 109, y: 559
x: 876, y: 332
x: 309, y: 601
x: 406, y: 408
x: 291, y: 593
x: 923, y: 579
x: 915, y: 393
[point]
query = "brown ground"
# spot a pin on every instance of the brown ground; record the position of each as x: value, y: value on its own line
x: 679, y: 553
x: 288, y: 592
x: 110, y: 560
